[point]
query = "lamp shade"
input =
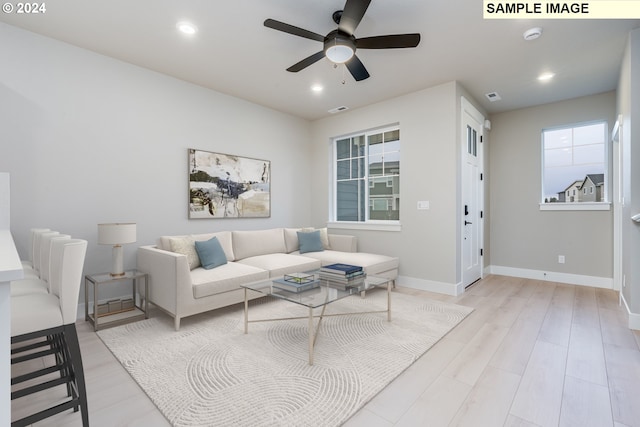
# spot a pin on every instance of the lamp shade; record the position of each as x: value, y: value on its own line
x: 116, y: 233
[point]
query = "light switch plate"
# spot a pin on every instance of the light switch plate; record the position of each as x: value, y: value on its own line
x: 423, y: 205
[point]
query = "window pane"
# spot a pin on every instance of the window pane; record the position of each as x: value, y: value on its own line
x: 375, y: 165
x: 347, y: 201
x: 588, y: 154
x: 393, y: 135
x: 375, y: 139
x: 342, y: 149
x: 391, y: 167
x: 357, y: 168
x: 557, y: 157
x: 560, y: 138
x: 593, y: 134
x: 358, y: 146
x: 343, y: 170
x: 391, y: 146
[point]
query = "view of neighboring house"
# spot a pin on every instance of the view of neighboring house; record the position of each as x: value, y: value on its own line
x: 589, y: 189
x: 571, y: 193
x: 592, y: 187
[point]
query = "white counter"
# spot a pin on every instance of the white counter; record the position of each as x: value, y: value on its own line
x: 10, y: 269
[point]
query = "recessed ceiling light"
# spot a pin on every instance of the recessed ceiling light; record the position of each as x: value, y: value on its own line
x: 532, y: 33
x: 317, y: 88
x: 545, y: 77
x: 187, y: 27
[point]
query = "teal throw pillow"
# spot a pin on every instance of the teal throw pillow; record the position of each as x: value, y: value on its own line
x: 310, y: 242
x: 211, y: 253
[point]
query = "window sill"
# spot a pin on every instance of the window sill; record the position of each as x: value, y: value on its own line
x: 579, y: 206
x: 371, y: 226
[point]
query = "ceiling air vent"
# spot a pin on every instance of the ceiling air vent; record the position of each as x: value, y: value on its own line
x: 493, y: 96
x: 338, y: 109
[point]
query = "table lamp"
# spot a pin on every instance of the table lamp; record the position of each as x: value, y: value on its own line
x: 116, y: 234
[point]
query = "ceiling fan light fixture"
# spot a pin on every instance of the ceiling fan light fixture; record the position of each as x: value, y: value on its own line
x: 339, y: 53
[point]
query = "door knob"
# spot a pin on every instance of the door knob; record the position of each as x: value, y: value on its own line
x: 467, y: 223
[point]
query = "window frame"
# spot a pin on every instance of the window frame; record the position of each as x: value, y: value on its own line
x: 578, y: 206
x: 367, y: 224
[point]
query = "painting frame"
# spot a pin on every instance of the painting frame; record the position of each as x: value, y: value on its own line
x: 227, y: 186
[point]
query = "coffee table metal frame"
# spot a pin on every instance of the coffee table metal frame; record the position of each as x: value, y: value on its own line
x: 315, y: 298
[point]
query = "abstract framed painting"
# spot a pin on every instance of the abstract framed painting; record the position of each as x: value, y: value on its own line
x: 228, y: 186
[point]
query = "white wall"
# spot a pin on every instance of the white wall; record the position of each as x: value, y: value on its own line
x: 89, y: 139
x: 628, y: 106
x: 429, y: 166
x: 522, y: 236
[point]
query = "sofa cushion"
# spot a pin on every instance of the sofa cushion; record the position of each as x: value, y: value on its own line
x: 225, y: 278
x: 210, y: 253
x: 281, y: 264
x: 259, y: 242
x: 185, y: 245
x: 310, y: 241
x: 371, y: 263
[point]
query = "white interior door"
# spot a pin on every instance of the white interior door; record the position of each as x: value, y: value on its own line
x: 472, y: 193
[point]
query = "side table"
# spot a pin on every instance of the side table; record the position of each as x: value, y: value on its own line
x: 136, y: 309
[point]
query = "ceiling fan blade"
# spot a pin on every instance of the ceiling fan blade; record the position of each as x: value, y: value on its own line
x: 296, y: 31
x: 352, y: 15
x: 394, y: 41
x: 306, y: 62
x: 356, y: 68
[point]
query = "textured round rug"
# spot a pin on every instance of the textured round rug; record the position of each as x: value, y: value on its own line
x: 211, y: 374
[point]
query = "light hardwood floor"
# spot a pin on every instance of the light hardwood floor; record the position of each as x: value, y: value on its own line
x: 532, y: 353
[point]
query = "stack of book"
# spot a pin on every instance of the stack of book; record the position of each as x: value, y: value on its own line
x: 342, y: 276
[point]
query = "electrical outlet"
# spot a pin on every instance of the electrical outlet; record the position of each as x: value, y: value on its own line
x: 560, y: 259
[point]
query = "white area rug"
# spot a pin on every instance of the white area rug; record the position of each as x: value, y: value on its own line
x: 211, y: 374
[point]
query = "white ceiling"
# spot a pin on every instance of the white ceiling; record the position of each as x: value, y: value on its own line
x: 235, y: 54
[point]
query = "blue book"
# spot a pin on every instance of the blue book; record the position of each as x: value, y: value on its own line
x: 344, y: 269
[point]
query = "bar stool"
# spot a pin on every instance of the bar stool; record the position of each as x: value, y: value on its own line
x: 28, y: 263
x: 49, y: 320
x: 38, y: 284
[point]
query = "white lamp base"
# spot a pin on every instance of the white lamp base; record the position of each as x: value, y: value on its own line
x: 117, y: 268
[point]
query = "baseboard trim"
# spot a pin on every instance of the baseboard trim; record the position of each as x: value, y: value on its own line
x: 453, y: 289
x: 552, y: 276
x: 634, y: 318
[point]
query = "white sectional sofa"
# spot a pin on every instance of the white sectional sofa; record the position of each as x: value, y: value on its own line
x: 181, y: 290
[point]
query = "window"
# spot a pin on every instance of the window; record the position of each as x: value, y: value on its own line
x: 367, y: 177
x: 574, y: 162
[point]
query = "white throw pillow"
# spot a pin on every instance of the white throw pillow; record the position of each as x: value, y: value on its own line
x: 186, y: 246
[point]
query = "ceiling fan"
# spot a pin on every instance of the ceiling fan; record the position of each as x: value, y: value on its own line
x: 340, y: 44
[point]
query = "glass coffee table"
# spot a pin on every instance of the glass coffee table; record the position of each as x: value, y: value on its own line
x: 318, y: 297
